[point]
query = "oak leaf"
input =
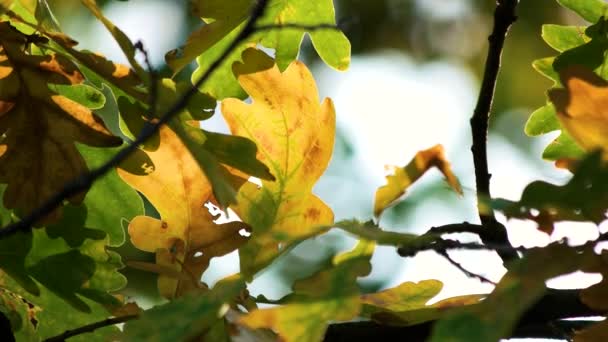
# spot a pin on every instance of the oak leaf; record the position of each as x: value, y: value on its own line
x: 40, y: 127
x: 402, y: 177
x: 583, y: 198
x: 582, y: 107
x: 185, y: 238
x: 225, y: 19
x: 295, y: 138
x: 332, y: 294
x: 406, y: 304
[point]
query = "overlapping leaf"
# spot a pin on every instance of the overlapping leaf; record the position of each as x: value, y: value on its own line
x: 66, y: 269
x: 406, y: 304
x: 521, y: 287
x: 577, y: 46
x: 590, y: 10
x: 185, y: 238
x: 400, y: 178
x: 226, y: 19
x: 121, y: 38
x: 21, y: 314
x: 295, y: 137
x: 582, y: 107
x: 213, y: 151
x: 583, y: 198
x: 174, y: 321
x: 327, y: 296
x: 38, y: 154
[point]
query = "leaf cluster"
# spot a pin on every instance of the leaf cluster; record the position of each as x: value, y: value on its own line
x: 85, y: 142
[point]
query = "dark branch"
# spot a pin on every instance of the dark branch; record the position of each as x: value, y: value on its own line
x: 90, y: 328
x: 86, y: 180
x: 494, y: 232
x: 440, y: 244
x: 453, y: 228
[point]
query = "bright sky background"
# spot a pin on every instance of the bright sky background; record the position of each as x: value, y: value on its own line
x: 388, y: 107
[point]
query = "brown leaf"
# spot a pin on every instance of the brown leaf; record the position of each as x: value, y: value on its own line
x: 402, y: 177
x: 38, y: 153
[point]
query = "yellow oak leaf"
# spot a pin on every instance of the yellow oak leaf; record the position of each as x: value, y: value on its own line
x: 39, y: 127
x: 330, y: 295
x: 185, y: 238
x: 295, y: 138
x: 582, y: 107
x: 406, y: 304
x: 402, y: 177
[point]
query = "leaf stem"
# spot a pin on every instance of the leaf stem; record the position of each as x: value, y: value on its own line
x: 494, y: 232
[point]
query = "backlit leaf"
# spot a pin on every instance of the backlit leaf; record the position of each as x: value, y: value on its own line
x: 208, y: 42
x: 582, y: 107
x: 400, y: 178
x: 185, y: 238
x: 37, y: 154
x: 583, y: 198
x: 174, y: 321
x: 578, y: 46
x: 212, y: 151
x: 120, y: 37
x: 590, y: 10
x: 23, y: 315
x: 563, y: 38
x: 295, y: 138
x: 406, y: 304
x: 327, y: 296
x: 523, y: 284
x: 116, y: 74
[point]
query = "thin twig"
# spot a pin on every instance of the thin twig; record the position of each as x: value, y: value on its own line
x: 462, y: 269
x: 90, y: 328
x: 153, y: 95
x: 86, y: 180
x: 448, y: 244
x: 495, y: 232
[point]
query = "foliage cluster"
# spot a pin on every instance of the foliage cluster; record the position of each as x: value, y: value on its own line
x: 85, y: 141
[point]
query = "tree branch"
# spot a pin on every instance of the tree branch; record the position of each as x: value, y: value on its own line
x: 86, y: 180
x: 90, y: 328
x: 494, y: 231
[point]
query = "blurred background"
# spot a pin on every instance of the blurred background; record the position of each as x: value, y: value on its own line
x: 413, y: 83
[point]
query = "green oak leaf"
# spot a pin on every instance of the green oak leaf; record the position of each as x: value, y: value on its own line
x: 590, y: 10
x: 174, y: 321
x: 577, y: 46
x: 562, y: 38
x: 66, y: 269
x: 583, y: 198
x: 54, y: 315
x: 542, y: 121
x: 21, y: 314
x: 84, y: 94
x: 331, y: 44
